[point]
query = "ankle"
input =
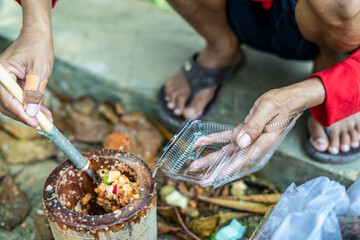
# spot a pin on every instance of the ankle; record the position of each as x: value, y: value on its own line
x: 226, y: 45
x: 220, y: 55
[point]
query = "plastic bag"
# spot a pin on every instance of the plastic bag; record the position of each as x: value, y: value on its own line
x: 308, y: 212
x: 354, y: 195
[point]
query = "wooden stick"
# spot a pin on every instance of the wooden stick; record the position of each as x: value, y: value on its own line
x: 184, y: 226
x: 267, y: 199
x: 8, y: 82
x: 237, y: 205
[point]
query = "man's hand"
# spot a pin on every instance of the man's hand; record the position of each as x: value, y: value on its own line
x: 262, y: 128
x: 29, y: 60
x: 278, y: 105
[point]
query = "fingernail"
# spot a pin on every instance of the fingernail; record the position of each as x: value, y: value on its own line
x: 170, y: 105
x: 191, y: 113
x: 355, y: 144
x: 345, y: 147
x: 320, y: 141
x: 177, y: 111
x: 333, y: 150
x: 167, y: 98
x: 244, y: 140
x: 32, y: 109
x: 38, y: 128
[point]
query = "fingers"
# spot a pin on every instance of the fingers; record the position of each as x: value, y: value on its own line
x: 47, y: 113
x: 215, y: 138
x: 203, y: 162
x: 33, y: 94
x: 232, y: 160
x: 12, y: 108
x: 254, y: 126
x: 212, y: 157
x: 242, y: 161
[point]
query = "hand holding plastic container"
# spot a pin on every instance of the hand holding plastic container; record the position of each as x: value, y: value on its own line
x: 208, y: 153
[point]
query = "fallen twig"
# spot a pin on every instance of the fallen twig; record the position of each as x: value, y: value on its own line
x: 260, y: 198
x: 237, y: 205
x: 184, y: 226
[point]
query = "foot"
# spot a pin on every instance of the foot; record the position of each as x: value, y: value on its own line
x: 344, y: 135
x: 177, y: 89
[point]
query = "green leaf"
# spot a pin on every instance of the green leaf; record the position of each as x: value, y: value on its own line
x: 105, y: 179
x: 130, y: 184
x: 106, y: 169
x: 212, y: 236
x: 111, y: 199
x: 252, y: 177
x: 106, y: 210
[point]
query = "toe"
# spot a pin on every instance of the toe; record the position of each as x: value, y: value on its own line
x: 199, y: 102
x: 170, y: 96
x: 180, y: 105
x: 357, y: 128
x: 344, y: 141
x: 354, y: 138
x: 171, y: 102
x: 334, y: 142
x: 318, y: 138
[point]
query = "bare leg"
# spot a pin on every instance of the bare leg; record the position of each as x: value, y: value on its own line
x: 344, y: 134
x: 208, y: 18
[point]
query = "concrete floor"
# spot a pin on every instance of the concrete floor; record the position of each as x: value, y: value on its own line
x: 127, y: 49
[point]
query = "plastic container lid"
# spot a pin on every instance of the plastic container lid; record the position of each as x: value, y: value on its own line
x: 205, y: 152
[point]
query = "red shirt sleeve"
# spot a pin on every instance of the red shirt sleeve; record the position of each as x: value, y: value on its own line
x: 266, y: 4
x: 53, y: 3
x: 342, y: 87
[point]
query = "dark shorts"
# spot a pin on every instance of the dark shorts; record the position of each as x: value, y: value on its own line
x: 274, y: 30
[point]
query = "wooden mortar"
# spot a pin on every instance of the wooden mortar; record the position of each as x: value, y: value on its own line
x: 66, y: 186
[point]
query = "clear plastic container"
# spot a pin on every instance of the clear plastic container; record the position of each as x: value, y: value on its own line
x: 204, y: 152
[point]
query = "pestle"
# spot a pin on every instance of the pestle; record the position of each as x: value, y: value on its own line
x: 48, y: 129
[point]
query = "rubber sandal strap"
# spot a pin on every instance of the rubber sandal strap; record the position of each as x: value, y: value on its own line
x: 200, y: 77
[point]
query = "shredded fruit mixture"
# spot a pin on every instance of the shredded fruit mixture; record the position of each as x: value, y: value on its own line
x: 115, y: 190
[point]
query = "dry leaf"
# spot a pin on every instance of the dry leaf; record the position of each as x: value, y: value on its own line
x: 25, y: 151
x: 107, y: 110
x: 87, y: 128
x: 14, y: 205
x: 84, y: 105
x: 17, y: 129
x: 203, y: 227
x: 117, y: 141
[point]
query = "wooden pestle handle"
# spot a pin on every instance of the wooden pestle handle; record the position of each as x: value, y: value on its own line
x: 8, y: 82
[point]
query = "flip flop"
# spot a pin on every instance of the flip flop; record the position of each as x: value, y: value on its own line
x: 199, y: 78
x: 325, y: 157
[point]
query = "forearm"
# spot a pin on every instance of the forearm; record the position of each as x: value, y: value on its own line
x: 305, y: 94
x: 37, y: 17
x: 295, y: 97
